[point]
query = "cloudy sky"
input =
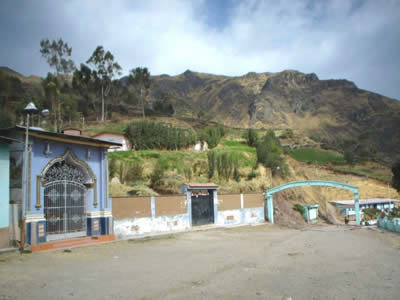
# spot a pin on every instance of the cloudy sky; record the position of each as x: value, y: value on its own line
x: 357, y: 40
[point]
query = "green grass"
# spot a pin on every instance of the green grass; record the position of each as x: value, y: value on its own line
x: 245, y: 154
x: 108, y: 127
x: 371, y: 173
x: 238, y: 146
x: 169, y: 159
x: 316, y: 156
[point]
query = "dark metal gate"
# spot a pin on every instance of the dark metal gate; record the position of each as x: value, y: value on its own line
x: 65, y: 209
x: 202, y: 210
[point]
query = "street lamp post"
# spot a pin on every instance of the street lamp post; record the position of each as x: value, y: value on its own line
x: 29, y: 110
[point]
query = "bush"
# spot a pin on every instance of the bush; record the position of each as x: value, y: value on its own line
x: 299, y: 208
x: 156, y: 178
x: 188, y: 173
x: 212, y: 135
x: 236, y: 175
x: 269, y: 154
x: 396, y: 175
x: 112, y: 168
x: 252, y: 174
x: 371, y: 213
x: 211, y: 164
x: 288, y: 133
x: 152, y: 135
x: 349, y: 157
x: 134, y: 172
x: 251, y: 137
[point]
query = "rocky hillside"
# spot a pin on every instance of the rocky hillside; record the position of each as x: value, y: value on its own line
x: 335, y: 111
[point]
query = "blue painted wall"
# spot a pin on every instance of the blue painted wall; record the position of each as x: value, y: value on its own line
x: 96, y: 162
x: 4, y: 184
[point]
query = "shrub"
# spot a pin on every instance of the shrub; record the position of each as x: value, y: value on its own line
x: 236, y: 175
x: 349, y: 157
x: 251, y: 137
x: 112, y: 168
x: 299, y: 208
x: 212, y: 135
x: 211, y: 164
x: 152, y: 135
x: 188, y: 173
x: 134, y: 172
x: 157, y: 175
x: 269, y: 154
x: 396, y: 175
x: 288, y: 133
x: 252, y: 174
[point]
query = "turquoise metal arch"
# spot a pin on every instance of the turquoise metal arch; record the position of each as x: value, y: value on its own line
x: 270, y: 192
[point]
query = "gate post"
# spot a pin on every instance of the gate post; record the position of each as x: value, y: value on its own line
x: 153, y: 207
x: 189, y: 206
x: 270, y: 209
x: 357, y: 208
x: 215, y: 203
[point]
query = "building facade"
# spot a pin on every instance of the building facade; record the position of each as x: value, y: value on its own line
x: 62, y: 191
x: 4, y: 192
x: 114, y: 138
x: 346, y: 207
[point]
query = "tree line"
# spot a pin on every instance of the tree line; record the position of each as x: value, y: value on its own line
x: 147, y: 134
x: 93, y: 88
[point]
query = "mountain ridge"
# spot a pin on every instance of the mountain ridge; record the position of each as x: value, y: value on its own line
x: 335, y: 111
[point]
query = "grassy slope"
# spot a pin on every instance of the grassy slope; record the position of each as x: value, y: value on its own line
x: 177, y: 161
x: 316, y: 156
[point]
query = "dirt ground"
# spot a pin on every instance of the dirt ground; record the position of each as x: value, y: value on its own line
x: 260, y: 262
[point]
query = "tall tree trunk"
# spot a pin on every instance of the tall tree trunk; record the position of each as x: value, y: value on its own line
x: 102, y: 103
x: 142, y: 99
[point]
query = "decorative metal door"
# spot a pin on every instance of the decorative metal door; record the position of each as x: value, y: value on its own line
x: 64, y: 209
x: 202, y: 210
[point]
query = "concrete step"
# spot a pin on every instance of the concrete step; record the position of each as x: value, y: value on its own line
x: 72, y: 243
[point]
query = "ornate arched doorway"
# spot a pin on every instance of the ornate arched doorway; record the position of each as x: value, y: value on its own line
x: 66, y: 181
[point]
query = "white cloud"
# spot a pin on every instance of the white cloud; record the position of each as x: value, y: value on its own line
x: 357, y: 40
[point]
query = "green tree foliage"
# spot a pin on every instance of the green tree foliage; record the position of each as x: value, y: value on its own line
x: 349, y: 157
x: 152, y: 135
x: 105, y: 70
x: 269, y: 154
x: 396, y: 175
x: 85, y: 82
x: 211, y: 164
x: 236, y: 174
x: 251, y: 137
x: 188, y: 173
x: 223, y: 162
x: 51, y: 87
x: 135, y: 171
x: 56, y: 54
x: 156, y: 178
x: 164, y: 106
x: 112, y: 168
x: 212, y: 135
x: 287, y: 133
x: 139, y: 79
x: 252, y: 174
x: 6, y: 119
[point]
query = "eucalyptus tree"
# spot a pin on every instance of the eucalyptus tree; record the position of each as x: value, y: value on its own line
x: 396, y: 175
x: 139, y: 78
x: 57, y: 54
x: 85, y: 82
x: 105, y: 70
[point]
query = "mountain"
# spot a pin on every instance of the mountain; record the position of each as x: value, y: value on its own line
x: 333, y: 111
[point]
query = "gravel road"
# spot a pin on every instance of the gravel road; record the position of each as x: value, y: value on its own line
x: 261, y: 262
